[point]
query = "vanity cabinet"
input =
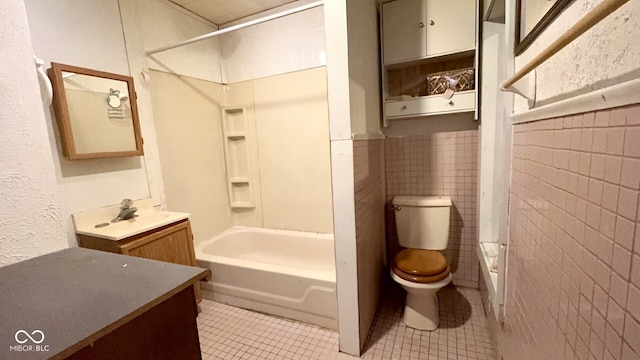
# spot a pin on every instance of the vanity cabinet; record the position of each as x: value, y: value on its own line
x: 420, y: 38
x: 89, y: 304
x: 170, y: 243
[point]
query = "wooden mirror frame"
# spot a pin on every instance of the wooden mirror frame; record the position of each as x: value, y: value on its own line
x: 63, y: 118
x: 522, y: 44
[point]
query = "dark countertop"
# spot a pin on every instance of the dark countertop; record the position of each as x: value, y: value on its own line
x: 77, y: 295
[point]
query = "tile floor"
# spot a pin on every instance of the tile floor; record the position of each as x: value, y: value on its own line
x: 463, y: 331
x: 227, y: 332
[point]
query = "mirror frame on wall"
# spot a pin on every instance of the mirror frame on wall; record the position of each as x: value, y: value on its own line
x: 63, y: 118
x: 521, y: 44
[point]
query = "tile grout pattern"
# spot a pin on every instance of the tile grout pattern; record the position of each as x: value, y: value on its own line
x: 463, y: 333
x: 443, y: 163
x: 573, y: 285
x: 369, y: 191
x: 227, y: 332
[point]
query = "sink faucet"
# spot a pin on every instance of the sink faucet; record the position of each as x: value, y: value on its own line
x: 126, y: 211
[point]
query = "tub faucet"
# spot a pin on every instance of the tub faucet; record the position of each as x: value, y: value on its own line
x: 126, y: 211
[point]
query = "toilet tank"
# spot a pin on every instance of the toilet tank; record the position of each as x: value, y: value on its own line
x: 422, y: 222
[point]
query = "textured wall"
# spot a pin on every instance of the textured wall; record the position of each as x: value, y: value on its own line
x: 440, y: 164
x: 91, y: 34
x: 368, y: 171
x: 69, y: 32
x: 30, y: 215
x: 573, y: 284
x: 605, y: 55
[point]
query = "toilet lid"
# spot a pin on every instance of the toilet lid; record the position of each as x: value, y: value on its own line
x: 419, y: 262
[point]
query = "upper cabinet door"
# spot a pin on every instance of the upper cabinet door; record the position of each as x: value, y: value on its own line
x: 451, y: 26
x: 404, y: 30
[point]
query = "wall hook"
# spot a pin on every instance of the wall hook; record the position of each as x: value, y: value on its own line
x: 44, y: 81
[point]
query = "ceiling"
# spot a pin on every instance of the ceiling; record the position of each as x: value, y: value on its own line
x: 223, y: 11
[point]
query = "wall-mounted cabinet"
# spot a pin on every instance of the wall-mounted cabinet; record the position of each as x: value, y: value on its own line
x: 417, y: 29
x: 428, y: 38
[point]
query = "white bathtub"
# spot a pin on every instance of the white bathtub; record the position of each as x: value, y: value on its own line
x: 285, y: 273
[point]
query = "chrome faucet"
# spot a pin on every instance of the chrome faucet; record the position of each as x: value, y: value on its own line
x: 126, y: 211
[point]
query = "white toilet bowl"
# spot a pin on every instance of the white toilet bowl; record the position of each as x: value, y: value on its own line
x: 422, y: 226
x: 421, y: 306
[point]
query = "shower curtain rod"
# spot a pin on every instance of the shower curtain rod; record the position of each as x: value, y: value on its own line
x: 237, y: 27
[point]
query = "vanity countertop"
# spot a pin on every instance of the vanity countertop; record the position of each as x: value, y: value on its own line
x: 76, y: 296
x: 148, y: 218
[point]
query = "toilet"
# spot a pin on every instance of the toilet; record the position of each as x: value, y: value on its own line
x: 422, y: 225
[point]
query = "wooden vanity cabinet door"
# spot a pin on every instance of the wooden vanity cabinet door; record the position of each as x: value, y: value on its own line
x: 173, y: 244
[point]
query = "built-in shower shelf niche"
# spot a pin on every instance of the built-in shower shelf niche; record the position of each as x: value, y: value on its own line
x: 237, y: 159
x: 241, y: 195
x: 239, y: 180
x: 234, y: 120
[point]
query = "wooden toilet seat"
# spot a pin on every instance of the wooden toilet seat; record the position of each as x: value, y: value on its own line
x: 420, y: 266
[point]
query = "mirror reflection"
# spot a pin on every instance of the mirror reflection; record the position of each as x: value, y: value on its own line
x: 532, y: 17
x: 100, y: 113
x: 96, y: 113
x: 531, y: 13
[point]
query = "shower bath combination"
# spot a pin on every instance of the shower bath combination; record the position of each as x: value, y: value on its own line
x: 280, y: 272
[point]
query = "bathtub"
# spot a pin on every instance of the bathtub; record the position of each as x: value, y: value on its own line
x: 284, y: 273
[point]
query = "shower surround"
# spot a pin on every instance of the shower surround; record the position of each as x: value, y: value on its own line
x: 287, y: 136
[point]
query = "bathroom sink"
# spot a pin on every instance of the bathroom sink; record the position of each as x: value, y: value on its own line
x: 98, y: 223
x: 145, y: 219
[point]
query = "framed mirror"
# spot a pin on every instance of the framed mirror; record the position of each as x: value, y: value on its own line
x: 532, y: 17
x: 96, y: 113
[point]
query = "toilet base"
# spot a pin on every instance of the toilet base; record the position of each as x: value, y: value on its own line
x: 421, y: 311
